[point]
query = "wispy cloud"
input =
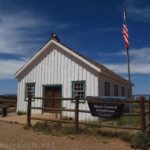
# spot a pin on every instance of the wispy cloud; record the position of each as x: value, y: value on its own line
x: 141, y: 55
x: 136, y: 10
x: 10, y: 32
x: 135, y: 68
x: 20, y: 33
x: 8, y: 68
x: 140, y: 61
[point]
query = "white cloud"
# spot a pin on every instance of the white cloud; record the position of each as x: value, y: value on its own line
x: 136, y: 11
x: 135, y: 68
x: 139, y: 14
x: 20, y: 33
x: 140, y: 61
x: 9, y: 67
x: 141, y: 55
x: 11, y: 36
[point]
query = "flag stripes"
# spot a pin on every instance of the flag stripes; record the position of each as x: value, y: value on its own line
x: 125, y: 32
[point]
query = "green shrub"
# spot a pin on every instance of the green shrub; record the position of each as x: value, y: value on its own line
x: 132, y: 121
x: 47, y: 127
x: 56, y: 128
x: 21, y: 113
x: 42, y: 127
x: 141, y: 141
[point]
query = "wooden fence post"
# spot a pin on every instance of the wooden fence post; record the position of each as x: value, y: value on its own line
x: 149, y: 116
x: 77, y: 114
x: 149, y: 108
x: 29, y: 108
x: 142, y: 111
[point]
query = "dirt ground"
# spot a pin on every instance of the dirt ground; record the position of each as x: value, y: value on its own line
x: 22, y: 119
x: 15, y: 137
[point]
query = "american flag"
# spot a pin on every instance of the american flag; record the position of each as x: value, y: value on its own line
x: 125, y: 31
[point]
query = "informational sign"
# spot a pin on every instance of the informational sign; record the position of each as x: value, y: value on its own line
x: 99, y: 108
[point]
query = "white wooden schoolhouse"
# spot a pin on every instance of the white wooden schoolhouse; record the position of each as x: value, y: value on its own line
x: 59, y: 71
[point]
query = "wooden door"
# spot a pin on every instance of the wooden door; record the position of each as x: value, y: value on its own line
x: 52, y: 92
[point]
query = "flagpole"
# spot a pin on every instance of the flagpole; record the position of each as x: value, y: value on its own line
x: 129, y: 76
x: 126, y: 39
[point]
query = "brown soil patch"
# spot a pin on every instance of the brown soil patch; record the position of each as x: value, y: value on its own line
x: 22, y: 119
x: 15, y: 137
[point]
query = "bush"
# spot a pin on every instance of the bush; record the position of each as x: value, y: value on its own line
x: 47, y: 127
x: 42, y: 127
x: 56, y: 128
x: 132, y: 121
x: 141, y: 141
x: 21, y: 113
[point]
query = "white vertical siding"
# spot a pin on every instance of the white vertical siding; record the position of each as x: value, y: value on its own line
x: 18, y: 96
x: 57, y: 67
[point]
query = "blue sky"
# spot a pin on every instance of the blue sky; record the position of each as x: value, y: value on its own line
x: 93, y: 28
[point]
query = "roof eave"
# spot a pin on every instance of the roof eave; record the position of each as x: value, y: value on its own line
x: 76, y: 55
x: 116, y: 76
x: 31, y: 60
x: 61, y: 46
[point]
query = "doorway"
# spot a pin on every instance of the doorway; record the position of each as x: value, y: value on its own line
x: 52, y: 91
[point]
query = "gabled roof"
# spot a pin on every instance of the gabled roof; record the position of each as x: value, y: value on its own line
x: 100, y: 66
x: 96, y: 66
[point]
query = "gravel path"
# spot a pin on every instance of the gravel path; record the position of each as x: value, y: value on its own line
x: 15, y: 137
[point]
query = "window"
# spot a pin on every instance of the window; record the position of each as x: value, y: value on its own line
x: 122, y: 91
x: 78, y: 89
x: 107, y: 89
x: 115, y: 90
x: 29, y: 86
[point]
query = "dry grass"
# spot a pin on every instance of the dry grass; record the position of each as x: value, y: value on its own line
x: 15, y: 137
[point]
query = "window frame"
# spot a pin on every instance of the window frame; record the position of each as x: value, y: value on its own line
x: 33, y: 94
x: 107, y: 92
x: 84, y: 89
x: 116, y: 90
x: 123, y: 91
